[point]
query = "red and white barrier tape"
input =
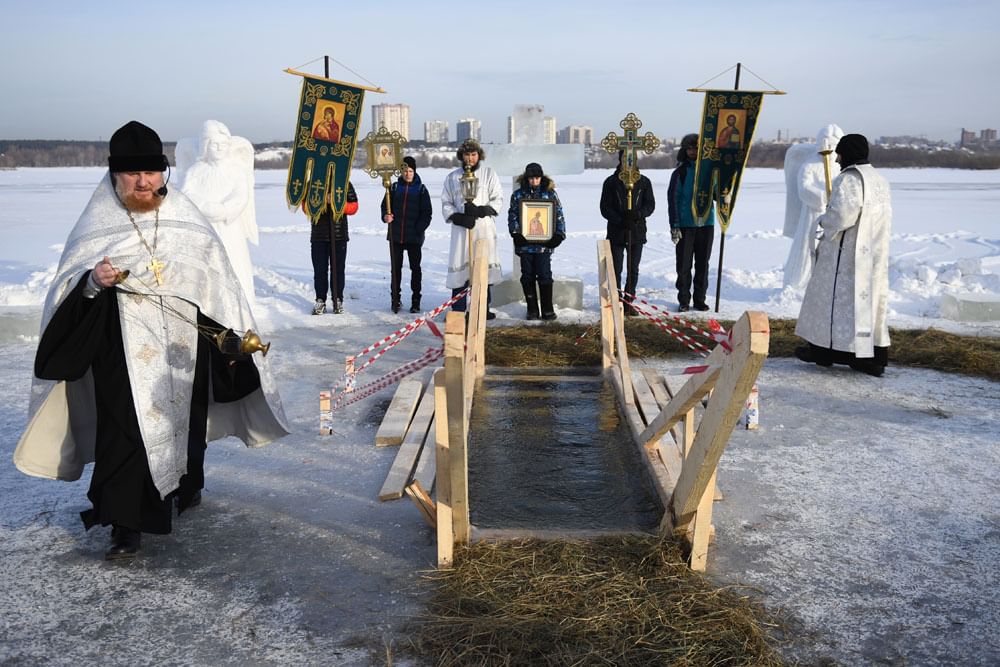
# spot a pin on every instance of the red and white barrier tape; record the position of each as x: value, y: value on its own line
x: 397, y: 336
x: 426, y: 359
x: 716, y: 335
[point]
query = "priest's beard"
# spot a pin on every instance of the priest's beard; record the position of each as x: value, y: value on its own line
x: 134, y: 203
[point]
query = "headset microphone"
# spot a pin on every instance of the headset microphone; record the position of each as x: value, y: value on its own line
x: 162, y: 190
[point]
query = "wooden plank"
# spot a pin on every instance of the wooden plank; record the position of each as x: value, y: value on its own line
x: 607, y: 323
x: 644, y: 398
x: 424, y: 503
x: 544, y: 378
x: 618, y: 317
x: 397, y: 417
x: 664, y: 479
x: 750, y: 340
x: 482, y: 278
x: 423, y: 472
x: 444, y: 528
x: 504, y: 534
x: 702, y: 530
x: 685, y: 399
x: 458, y: 428
x: 406, y: 458
x: 658, y: 386
x: 673, y: 385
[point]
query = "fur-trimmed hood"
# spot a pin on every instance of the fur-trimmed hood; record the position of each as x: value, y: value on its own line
x: 546, y: 184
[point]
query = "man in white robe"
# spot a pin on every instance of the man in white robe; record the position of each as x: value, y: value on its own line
x: 805, y: 180
x: 126, y: 373
x: 475, y: 219
x: 844, y: 310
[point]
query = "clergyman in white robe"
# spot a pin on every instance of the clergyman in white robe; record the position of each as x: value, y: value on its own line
x: 488, y: 193
x: 845, y: 306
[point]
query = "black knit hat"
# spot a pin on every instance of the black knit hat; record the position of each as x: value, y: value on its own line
x: 410, y: 162
x: 533, y: 169
x: 852, y: 149
x: 689, y: 141
x: 135, y: 147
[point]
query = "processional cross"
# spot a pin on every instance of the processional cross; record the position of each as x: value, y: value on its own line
x: 613, y: 143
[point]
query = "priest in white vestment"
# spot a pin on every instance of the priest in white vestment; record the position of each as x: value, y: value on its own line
x: 475, y: 219
x: 844, y: 310
x: 137, y: 364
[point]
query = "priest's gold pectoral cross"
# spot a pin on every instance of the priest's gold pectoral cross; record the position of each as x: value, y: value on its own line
x: 156, y: 266
x: 628, y: 144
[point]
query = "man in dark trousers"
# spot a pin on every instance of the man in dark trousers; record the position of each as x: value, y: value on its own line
x: 127, y: 374
x: 626, y: 227
x: 411, y: 216
x: 328, y: 244
x: 692, y: 237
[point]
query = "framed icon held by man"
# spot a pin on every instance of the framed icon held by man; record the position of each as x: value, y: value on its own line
x: 537, y: 219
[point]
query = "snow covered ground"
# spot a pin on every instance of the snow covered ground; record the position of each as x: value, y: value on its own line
x: 946, y: 239
x: 866, y: 507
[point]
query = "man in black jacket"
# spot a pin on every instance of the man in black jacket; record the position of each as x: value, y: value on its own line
x: 626, y: 227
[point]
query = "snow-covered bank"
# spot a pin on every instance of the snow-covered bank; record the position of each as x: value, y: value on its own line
x: 945, y: 241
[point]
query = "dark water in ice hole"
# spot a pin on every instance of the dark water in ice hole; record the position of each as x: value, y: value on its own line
x: 554, y: 454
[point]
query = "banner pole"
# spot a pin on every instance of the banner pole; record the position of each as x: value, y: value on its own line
x: 722, y: 239
x: 334, y: 283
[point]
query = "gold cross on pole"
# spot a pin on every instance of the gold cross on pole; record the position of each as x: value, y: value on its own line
x: 156, y: 266
x: 613, y: 143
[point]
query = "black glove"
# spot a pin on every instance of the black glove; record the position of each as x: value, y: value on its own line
x: 479, y: 211
x: 463, y: 220
x: 519, y: 240
x: 555, y: 241
x: 629, y: 218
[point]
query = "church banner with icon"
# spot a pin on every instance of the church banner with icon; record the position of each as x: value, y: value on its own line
x: 326, y: 135
x: 728, y: 122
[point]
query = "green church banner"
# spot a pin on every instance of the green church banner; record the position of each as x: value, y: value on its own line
x: 727, y: 126
x: 326, y: 134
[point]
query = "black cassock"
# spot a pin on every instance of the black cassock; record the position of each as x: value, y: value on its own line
x: 86, y: 334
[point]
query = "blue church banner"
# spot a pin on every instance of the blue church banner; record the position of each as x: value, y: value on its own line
x: 728, y: 121
x: 326, y: 134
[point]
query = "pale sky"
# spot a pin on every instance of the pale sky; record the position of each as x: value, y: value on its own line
x: 79, y: 70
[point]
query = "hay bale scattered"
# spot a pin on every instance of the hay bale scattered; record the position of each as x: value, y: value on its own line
x: 613, y: 601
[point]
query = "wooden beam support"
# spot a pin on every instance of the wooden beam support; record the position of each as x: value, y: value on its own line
x: 618, y: 319
x: 443, y: 512
x: 692, y: 392
x: 458, y: 426
x: 424, y: 503
x: 750, y: 340
x: 605, y: 303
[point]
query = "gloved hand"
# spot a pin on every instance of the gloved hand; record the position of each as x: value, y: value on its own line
x: 519, y: 240
x: 479, y: 211
x: 675, y: 235
x: 555, y: 241
x: 463, y: 220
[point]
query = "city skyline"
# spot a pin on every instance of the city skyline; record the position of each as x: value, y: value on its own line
x: 923, y: 70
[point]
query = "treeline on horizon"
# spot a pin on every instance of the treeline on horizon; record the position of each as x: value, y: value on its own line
x: 60, y: 153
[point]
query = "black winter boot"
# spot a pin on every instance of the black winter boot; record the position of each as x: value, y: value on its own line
x: 548, y: 312
x: 532, y: 301
x: 415, y: 304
